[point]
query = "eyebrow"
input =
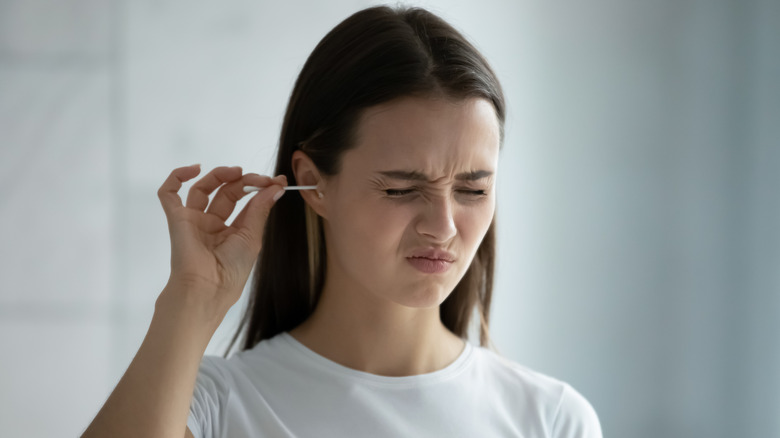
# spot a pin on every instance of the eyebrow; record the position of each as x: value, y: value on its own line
x: 413, y: 175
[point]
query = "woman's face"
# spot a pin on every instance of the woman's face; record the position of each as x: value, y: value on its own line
x: 421, y: 179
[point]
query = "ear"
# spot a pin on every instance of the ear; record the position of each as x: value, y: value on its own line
x: 307, y: 174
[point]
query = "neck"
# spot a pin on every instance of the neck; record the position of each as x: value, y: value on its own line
x: 371, y: 334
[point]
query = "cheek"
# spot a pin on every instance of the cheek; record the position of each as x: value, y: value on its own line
x: 474, y: 222
x: 377, y: 226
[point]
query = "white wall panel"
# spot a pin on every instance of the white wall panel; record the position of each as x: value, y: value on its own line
x: 54, y: 164
x: 52, y: 28
x: 53, y: 374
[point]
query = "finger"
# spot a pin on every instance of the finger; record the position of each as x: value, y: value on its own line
x: 251, y: 220
x: 169, y: 190
x: 198, y: 196
x: 255, y: 180
x: 227, y: 196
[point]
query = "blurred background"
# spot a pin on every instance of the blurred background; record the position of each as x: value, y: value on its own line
x: 639, y: 256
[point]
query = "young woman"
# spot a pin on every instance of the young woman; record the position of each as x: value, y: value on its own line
x: 364, y: 287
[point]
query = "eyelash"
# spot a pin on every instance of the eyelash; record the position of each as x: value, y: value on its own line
x: 397, y: 193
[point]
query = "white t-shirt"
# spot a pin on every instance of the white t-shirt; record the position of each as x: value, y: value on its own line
x: 281, y: 388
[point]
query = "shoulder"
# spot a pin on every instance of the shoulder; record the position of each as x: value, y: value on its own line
x: 575, y: 417
x: 213, y: 383
x: 263, y: 356
x: 217, y: 374
x: 564, y: 412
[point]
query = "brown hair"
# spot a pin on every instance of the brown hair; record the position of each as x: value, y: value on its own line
x: 374, y: 56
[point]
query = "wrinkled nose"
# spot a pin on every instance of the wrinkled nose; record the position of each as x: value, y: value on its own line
x: 436, y: 221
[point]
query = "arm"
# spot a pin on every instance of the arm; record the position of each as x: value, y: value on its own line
x: 153, y: 396
x: 210, y: 263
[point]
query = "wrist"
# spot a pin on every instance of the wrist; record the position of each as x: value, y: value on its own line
x: 193, y: 305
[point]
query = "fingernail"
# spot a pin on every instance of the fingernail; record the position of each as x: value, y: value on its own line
x: 278, y: 195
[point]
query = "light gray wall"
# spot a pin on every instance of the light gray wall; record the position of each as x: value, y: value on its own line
x: 639, y: 257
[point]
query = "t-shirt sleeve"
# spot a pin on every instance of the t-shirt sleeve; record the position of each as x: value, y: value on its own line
x: 208, y: 399
x: 575, y: 417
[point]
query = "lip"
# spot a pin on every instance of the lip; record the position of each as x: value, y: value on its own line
x: 431, y: 260
x: 433, y: 254
x: 429, y: 266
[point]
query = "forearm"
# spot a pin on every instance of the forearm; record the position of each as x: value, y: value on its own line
x: 152, y: 399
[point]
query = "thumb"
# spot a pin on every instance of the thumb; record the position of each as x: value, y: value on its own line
x: 257, y: 210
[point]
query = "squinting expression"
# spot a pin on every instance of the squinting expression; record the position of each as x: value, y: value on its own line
x: 421, y: 176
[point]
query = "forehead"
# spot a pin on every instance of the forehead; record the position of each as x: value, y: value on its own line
x: 437, y: 136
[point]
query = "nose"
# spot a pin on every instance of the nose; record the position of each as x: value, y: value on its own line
x: 437, y: 221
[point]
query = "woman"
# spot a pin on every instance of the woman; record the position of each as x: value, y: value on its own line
x: 365, y: 286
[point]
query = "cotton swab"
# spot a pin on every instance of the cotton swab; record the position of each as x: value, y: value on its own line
x: 250, y: 189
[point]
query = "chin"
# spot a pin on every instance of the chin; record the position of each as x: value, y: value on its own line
x: 423, y: 298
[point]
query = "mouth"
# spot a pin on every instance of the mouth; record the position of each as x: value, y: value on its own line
x: 430, y: 265
x: 435, y: 254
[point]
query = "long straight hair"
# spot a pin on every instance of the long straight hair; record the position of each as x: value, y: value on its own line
x: 374, y: 56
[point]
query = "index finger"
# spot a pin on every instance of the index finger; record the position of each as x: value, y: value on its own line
x: 169, y: 190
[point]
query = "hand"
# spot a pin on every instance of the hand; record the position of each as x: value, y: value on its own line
x: 211, y: 261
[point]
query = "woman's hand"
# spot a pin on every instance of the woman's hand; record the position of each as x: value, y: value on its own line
x: 211, y: 261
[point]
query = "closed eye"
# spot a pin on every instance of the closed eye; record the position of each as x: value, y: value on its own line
x: 473, y: 192
x: 402, y: 192
x: 398, y: 192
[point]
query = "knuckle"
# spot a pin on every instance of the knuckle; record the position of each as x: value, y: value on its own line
x: 231, y: 197
x: 249, y: 242
x: 264, y: 213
